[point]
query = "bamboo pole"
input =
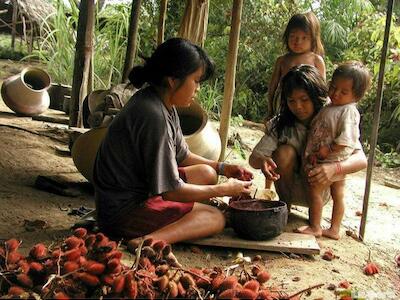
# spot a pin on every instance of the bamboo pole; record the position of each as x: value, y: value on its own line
x: 132, y: 39
x: 83, y: 53
x: 14, y: 23
x: 230, y: 72
x: 161, y: 21
x: 377, y: 113
x: 24, y: 28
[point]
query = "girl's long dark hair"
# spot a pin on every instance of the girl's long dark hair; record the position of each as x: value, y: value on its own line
x: 304, y: 77
x: 307, y: 22
x: 176, y: 58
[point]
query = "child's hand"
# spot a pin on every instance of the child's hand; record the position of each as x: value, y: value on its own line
x: 312, y: 159
x: 268, y: 168
x: 322, y: 174
x: 235, y: 171
x: 323, y: 152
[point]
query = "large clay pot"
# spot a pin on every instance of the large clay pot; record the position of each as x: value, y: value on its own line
x: 84, y: 150
x: 200, y: 135
x: 26, y: 93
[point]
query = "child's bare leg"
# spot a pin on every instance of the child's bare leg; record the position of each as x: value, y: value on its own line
x: 268, y: 184
x: 315, y: 213
x: 337, y: 192
x: 286, y: 159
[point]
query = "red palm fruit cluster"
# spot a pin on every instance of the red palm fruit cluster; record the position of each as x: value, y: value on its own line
x: 370, y: 269
x: 89, y: 265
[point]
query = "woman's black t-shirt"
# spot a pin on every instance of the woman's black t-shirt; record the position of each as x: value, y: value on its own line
x: 139, y: 156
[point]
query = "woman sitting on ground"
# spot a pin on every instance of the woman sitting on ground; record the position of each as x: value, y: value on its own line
x: 148, y: 183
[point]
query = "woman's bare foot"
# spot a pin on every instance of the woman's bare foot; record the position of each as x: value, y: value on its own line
x: 317, y: 232
x: 331, y: 233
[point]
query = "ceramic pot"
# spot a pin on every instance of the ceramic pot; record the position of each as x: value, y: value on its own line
x: 202, y: 138
x: 26, y: 93
x: 257, y: 219
x: 60, y: 94
x: 200, y: 135
x: 84, y: 150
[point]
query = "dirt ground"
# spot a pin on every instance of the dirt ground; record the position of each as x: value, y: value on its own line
x: 30, y: 148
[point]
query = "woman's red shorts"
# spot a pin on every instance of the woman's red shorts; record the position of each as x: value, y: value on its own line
x: 156, y: 213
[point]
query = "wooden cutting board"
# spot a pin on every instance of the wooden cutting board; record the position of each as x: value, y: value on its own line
x: 286, y: 242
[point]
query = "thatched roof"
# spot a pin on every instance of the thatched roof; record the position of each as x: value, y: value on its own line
x: 36, y: 10
x: 33, y: 10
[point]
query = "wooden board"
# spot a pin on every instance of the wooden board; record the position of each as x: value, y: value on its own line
x: 286, y: 242
x: 52, y: 118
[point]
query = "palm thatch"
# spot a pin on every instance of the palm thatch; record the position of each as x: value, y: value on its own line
x: 35, y: 10
x: 31, y: 12
x: 23, y: 18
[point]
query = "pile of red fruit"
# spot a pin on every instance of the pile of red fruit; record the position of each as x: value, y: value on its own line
x: 89, y: 266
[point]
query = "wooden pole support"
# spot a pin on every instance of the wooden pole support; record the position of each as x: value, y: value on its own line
x: 14, y: 23
x: 230, y: 72
x: 83, y: 54
x: 377, y: 113
x: 132, y: 39
x: 161, y: 21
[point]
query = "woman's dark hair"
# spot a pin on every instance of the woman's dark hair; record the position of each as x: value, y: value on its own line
x: 307, y: 78
x: 356, y: 71
x: 176, y: 58
x: 309, y: 23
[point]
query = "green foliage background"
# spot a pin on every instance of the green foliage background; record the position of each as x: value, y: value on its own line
x: 351, y: 29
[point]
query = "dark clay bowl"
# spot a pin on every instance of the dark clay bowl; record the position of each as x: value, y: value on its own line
x: 258, y: 220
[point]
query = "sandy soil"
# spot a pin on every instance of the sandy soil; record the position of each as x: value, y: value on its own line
x: 29, y: 148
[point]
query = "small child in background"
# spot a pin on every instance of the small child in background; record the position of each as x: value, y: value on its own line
x: 303, y: 43
x: 333, y: 137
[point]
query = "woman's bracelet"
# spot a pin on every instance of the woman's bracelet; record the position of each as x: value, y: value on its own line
x: 220, y: 168
x: 339, y: 169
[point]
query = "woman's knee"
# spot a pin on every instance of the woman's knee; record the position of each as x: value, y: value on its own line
x: 211, y: 216
x: 218, y: 219
x: 285, y: 157
x: 201, y: 174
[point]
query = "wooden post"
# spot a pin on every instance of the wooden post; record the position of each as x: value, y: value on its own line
x: 91, y: 75
x: 377, y: 113
x: 230, y: 72
x: 14, y: 23
x: 132, y: 37
x: 83, y: 53
x: 24, y: 29
x: 194, y: 21
x: 161, y: 21
x: 31, y: 38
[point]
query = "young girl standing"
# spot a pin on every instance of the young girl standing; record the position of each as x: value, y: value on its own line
x: 334, y: 135
x: 304, y: 46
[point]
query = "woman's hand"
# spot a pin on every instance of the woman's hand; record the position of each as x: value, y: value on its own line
x: 235, y: 171
x: 268, y: 169
x: 235, y: 187
x: 321, y: 174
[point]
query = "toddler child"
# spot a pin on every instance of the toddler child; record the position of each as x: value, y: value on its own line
x: 333, y: 137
